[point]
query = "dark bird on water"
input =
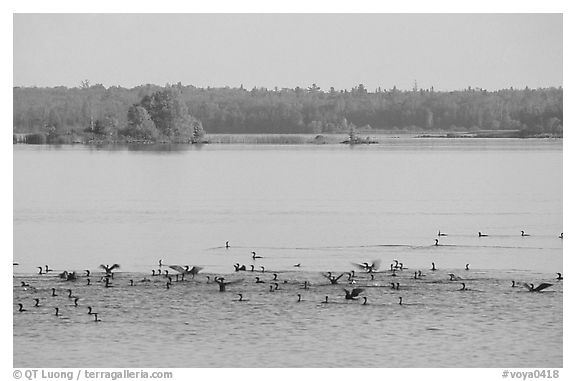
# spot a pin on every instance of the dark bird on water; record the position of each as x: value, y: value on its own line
x: 482, y: 235
x: 352, y: 295
x: 21, y: 308
x: 524, y: 234
x: 560, y: 277
x: 367, y: 266
x: 463, y: 287
x: 254, y: 256
x: 467, y: 267
x: 433, y: 267
x: 109, y: 269
x: 54, y: 292
x: 96, y: 317
x: 441, y: 234
x: 365, y: 300
x: 561, y: 235
x: 258, y: 280
x: 222, y: 284
x: 241, y: 298
x: 237, y: 267
x: 227, y: 245
x: 24, y: 284
x: 332, y: 278
x: 299, y: 298
x: 37, y: 302
x: 436, y: 242
x: 186, y: 269
x: 541, y: 287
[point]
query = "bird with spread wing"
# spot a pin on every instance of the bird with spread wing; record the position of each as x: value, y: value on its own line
x: 333, y: 279
x: 186, y: 270
x: 352, y: 295
x: 542, y: 286
x: 109, y: 269
x: 367, y: 266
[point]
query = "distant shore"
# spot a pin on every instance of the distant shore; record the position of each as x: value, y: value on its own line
x: 276, y: 139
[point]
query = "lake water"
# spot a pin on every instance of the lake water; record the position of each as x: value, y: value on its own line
x: 324, y: 207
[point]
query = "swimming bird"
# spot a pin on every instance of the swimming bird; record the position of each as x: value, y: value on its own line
x: 109, y: 269
x: 271, y: 288
x: 96, y: 318
x: 258, y: 280
x: 237, y: 267
x: 463, y: 287
x: 331, y: 278
x: 467, y: 268
x: 90, y: 311
x: 87, y: 272
x: 24, y: 284
x: 76, y: 301
x: 160, y: 263
x: 482, y: 235
x: 168, y: 285
x: 222, y: 284
x: 186, y: 269
x: 54, y: 292
x: 436, y: 242
x: 441, y: 234
x: 561, y: 235
x: 433, y: 267
x: 21, y: 308
x: 88, y: 282
x: 299, y: 298
x: 131, y: 282
x: 262, y: 267
x: 40, y: 272
x: 400, y: 302
x: 251, y: 268
x: 454, y: 277
x: 57, y: 311
x: 326, y: 300
x: 275, y: 276
x: 365, y: 300
x: 560, y: 277
x: 297, y: 265
x: 37, y: 302
x: 276, y: 286
x: 241, y: 298
x: 47, y: 269
x: 70, y: 294
x: 514, y: 284
x: 541, y: 287
x: 254, y: 256
x: 305, y: 284
x: 67, y: 276
x: 227, y: 245
x: 524, y: 234
x: 352, y: 295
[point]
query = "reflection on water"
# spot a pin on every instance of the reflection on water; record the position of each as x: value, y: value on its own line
x: 323, y: 207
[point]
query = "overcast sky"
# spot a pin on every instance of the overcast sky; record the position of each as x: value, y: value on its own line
x: 447, y: 51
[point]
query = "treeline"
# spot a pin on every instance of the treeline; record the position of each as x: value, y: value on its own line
x: 175, y: 111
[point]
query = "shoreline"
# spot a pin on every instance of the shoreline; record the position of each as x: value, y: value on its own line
x: 282, y: 139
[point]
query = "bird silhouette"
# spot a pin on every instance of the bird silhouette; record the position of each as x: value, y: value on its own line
x: 352, y: 295
x: 540, y: 287
x: 332, y: 278
x: 367, y: 266
x: 186, y: 269
x: 109, y: 269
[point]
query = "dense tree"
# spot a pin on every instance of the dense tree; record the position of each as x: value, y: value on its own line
x: 182, y: 113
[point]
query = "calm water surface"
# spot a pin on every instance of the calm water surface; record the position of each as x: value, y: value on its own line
x: 324, y: 207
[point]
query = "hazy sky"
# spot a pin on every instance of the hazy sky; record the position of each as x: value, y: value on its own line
x: 447, y: 51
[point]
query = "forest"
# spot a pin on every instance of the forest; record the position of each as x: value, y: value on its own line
x: 177, y: 113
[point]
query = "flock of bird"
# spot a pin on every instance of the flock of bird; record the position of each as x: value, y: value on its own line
x: 363, y: 275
